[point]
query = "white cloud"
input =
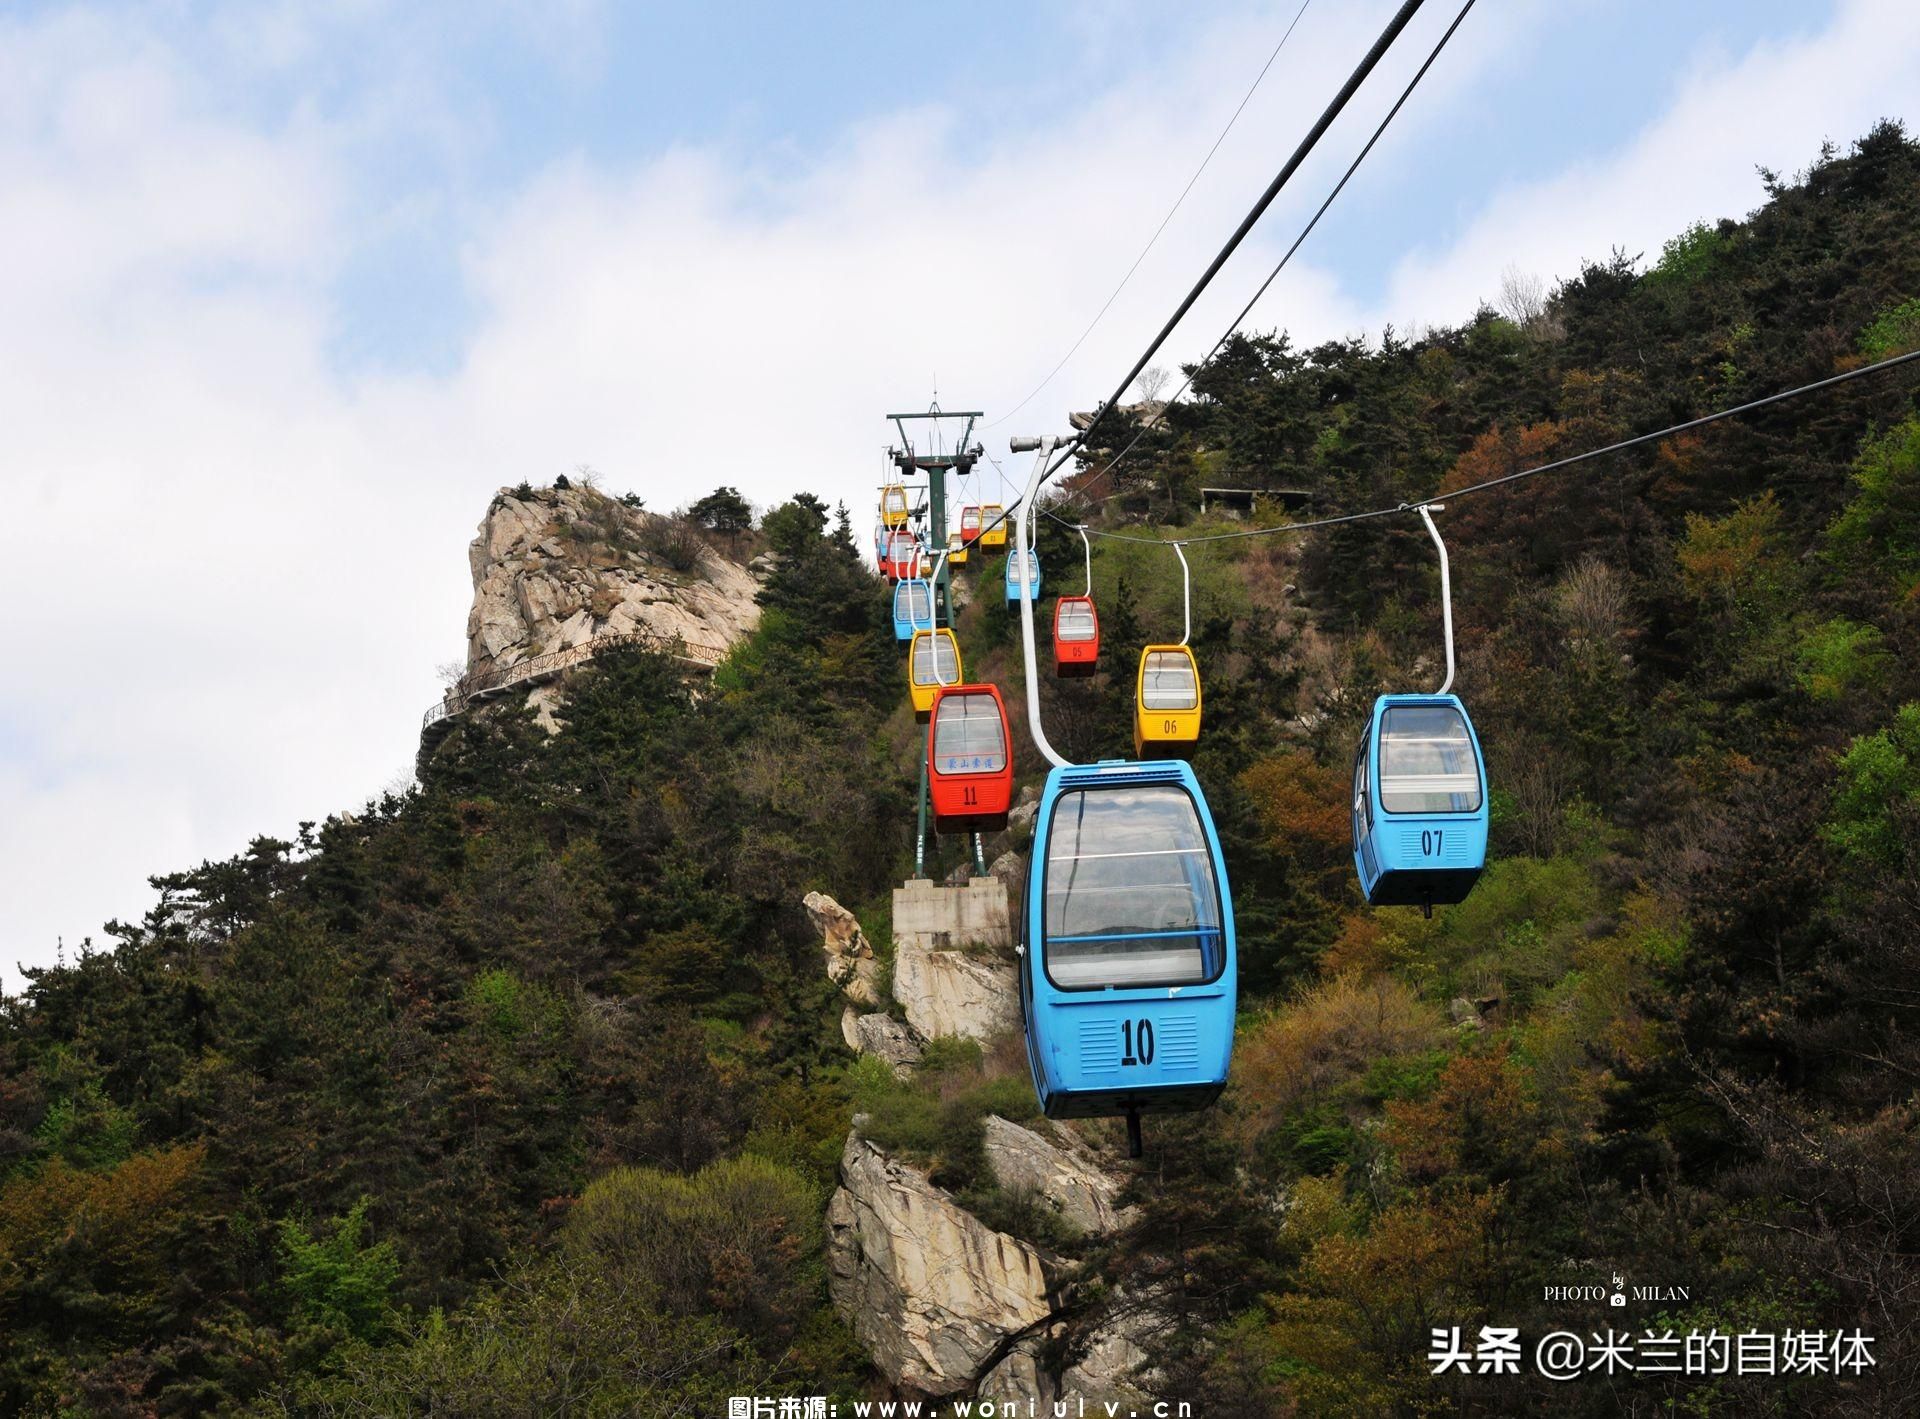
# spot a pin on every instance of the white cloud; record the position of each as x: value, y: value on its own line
x: 241, y: 566
x: 1694, y: 161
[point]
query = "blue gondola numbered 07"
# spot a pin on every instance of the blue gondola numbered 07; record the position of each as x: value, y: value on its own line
x: 1127, y: 972
x: 1419, y: 803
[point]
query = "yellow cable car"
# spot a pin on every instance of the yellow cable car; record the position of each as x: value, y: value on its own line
x: 1166, y: 703
x: 893, y: 505
x: 933, y: 660
x: 993, y: 527
x: 956, y: 550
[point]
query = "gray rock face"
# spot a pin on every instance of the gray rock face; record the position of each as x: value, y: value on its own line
x: 1009, y: 869
x: 1111, y: 1359
x: 1019, y: 1381
x: 851, y: 964
x: 566, y: 566
x: 883, y: 1037
x: 929, y: 1290
x: 955, y: 993
x: 944, y: 988
x: 1069, y: 1175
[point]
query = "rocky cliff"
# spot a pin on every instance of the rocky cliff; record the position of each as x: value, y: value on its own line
x: 556, y: 568
x: 945, y: 1305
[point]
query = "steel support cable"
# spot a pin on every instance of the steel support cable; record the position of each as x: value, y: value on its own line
x: 1306, y: 146
x: 1100, y: 314
x: 1281, y: 265
x: 1450, y: 494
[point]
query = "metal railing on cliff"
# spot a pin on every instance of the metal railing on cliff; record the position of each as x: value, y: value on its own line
x: 470, y: 690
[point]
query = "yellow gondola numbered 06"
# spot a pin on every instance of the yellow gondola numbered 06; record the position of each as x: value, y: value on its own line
x: 1166, y: 703
x: 933, y: 660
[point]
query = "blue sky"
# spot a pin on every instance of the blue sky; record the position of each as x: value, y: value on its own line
x: 291, y: 287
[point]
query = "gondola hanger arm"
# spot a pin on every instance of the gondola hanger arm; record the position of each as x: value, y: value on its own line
x: 1186, y: 592
x: 1023, y: 540
x: 1426, y: 511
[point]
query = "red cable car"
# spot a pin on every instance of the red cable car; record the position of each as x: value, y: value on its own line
x: 969, y: 760
x: 1076, y: 637
x: 969, y: 524
x: 903, y: 556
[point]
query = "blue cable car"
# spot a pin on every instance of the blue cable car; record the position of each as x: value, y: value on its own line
x: 1030, y: 583
x: 912, y: 608
x: 1419, y: 803
x: 1127, y: 974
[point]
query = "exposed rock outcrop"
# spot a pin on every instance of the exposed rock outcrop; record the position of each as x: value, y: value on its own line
x: 851, y: 964
x: 1069, y: 1173
x: 955, y: 993
x: 1111, y: 1359
x: 1010, y: 871
x: 883, y: 1037
x: 950, y: 973
x: 930, y: 1291
x: 1019, y: 1380
x: 557, y: 568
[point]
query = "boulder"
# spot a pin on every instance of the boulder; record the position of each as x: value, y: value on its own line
x: 851, y: 964
x: 929, y: 1290
x: 1068, y: 1173
x: 883, y: 1037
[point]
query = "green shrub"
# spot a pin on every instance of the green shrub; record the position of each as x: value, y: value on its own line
x: 338, y: 1280
x: 740, y: 1238
x: 1879, y: 773
x: 1894, y: 331
x: 1841, y: 655
x: 1879, y: 530
x: 1689, y: 258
